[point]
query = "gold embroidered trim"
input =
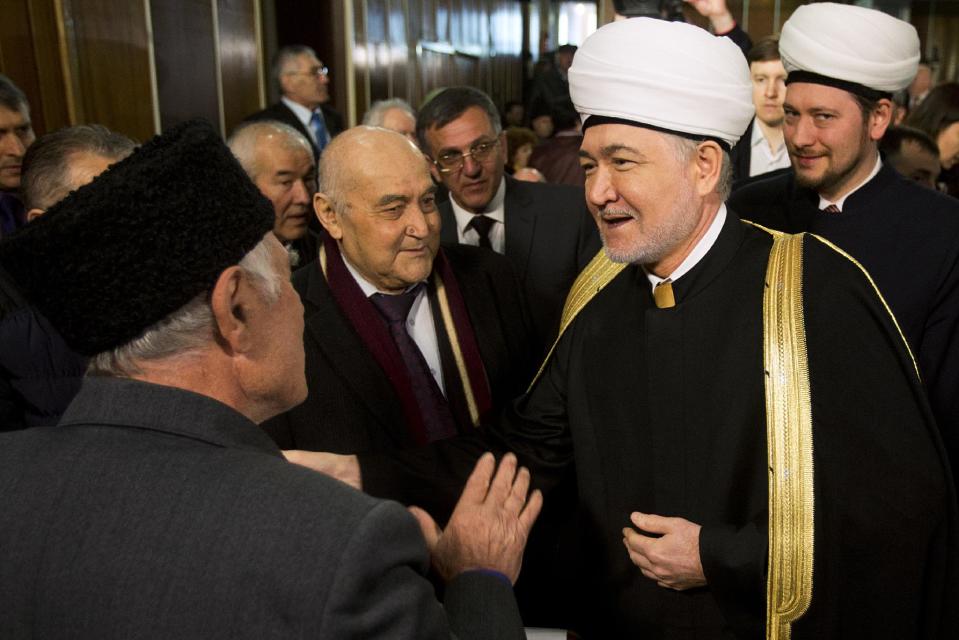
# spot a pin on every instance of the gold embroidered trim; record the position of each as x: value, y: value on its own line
x: 457, y: 352
x: 789, y: 440
x: 591, y: 280
x: 878, y: 293
x: 453, y: 336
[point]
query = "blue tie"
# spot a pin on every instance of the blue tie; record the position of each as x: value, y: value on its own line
x: 319, y: 129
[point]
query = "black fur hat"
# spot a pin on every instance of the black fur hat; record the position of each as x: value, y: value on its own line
x: 140, y: 241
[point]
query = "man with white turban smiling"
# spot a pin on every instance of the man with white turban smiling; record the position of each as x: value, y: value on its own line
x: 844, y: 62
x: 753, y: 450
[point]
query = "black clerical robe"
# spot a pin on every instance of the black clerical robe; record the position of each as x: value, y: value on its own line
x: 907, y: 238
x: 663, y: 411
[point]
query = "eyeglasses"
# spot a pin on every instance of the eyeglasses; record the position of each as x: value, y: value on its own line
x: 315, y: 72
x: 453, y: 161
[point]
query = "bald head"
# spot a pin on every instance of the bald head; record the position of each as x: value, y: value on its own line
x: 378, y: 202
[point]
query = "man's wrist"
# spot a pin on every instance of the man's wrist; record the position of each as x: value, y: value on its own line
x: 723, y: 24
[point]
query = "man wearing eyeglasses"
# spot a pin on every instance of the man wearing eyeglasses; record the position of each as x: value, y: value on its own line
x: 545, y: 230
x: 303, y: 82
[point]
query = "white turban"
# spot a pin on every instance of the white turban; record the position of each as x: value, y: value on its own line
x: 852, y: 44
x: 667, y: 75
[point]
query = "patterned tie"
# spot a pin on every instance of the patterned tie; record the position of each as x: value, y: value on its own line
x: 437, y: 417
x: 481, y: 225
x: 832, y: 209
x: 663, y: 295
x: 319, y: 129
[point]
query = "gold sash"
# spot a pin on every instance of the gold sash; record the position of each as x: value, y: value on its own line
x: 788, y: 423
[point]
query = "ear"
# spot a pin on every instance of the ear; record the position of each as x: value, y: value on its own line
x: 33, y: 214
x: 327, y: 215
x: 879, y: 119
x: 709, y: 164
x: 437, y: 176
x: 230, y: 302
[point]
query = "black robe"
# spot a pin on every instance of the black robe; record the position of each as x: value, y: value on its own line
x: 663, y: 411
x: 907, y: 238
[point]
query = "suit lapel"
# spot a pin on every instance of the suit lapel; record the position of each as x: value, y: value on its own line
x: 448, y: 233
x: 294, y: 122
x: 520, y: 219
x: 329, y: 331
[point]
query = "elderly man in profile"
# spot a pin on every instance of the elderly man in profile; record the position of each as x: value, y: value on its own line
x: 157, y: 508
x: 39, y: 373
x: 395, y: 114
x: 278, y: 160
x: 304, y: 84
x: 752, y: 446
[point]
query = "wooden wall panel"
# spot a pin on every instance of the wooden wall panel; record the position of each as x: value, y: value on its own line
x: 240, y: 66
x: 109, y: 48
x: 185, y: 54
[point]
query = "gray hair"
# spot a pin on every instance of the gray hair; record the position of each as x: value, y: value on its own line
x: 46, y: 165
x: 686, y: 148
x: 11, y: 96
x: 377, y: 112
x: 245, y: 138
x: 185, y: 332
x: 283, y: 57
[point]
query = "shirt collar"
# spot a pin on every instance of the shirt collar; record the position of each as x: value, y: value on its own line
x: 698, y: 253
x: 495, y: 209
x: 823, y: 203
x: 301, y: 112
x: 367, y: 287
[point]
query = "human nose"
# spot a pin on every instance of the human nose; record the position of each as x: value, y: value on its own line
x: 599, y: 188
x: 12, y: 145
x: 301, y: 193
x: 471, y: 166
x: 417, y: 225
x: 800, y: 132
x: 771, y: 89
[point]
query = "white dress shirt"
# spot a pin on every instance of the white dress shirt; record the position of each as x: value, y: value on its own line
x: 762, y: 159
x: 699, y: 251
x: 823, y: 203
x: 419, y: 324
x: 495, y: 210
x: 304, y: 115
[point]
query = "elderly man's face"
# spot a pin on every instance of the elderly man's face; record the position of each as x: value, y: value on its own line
x: 639, y: 192
x: 305, y: 82
x: 475, y: 183
x: 287, y: 177
x: 401, y: 122
x: 828, y: 138
x: 16, y: 134
x: 769, y: 90
x: 391, y: 230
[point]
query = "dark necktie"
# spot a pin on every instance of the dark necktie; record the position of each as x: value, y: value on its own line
x: 832, y: 209
x: 482, y: 225
x: 437, y: 417
x: 319, y: 129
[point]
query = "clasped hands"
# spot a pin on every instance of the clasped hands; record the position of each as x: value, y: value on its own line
x: 671, y: 559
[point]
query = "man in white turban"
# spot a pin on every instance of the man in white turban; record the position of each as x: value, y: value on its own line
x: 752, y: 447
x: 844, y: 62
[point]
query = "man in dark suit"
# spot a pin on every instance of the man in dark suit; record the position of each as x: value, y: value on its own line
x: 304, y: 89
x: 158, y: 508
x: 544, y: 230
x: 468, y: 323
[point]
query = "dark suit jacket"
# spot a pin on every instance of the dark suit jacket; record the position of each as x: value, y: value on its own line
x: 153, y: 512
x: 282, y: 113
x: 550, y: 237
x: 352, y: 407
x: 742, y: 154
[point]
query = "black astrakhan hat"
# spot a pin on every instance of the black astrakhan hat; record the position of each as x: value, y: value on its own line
x: 140, y: 241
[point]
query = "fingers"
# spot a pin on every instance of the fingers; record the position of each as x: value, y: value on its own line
x: 531, y: 511
x: 651, y: 522
x: 295, y: 456
x: 431, y: 531
x: 478, y: 483
x: 499, y: 491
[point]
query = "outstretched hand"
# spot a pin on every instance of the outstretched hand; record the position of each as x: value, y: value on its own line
x: 672, y: 559
x: 490, y: 524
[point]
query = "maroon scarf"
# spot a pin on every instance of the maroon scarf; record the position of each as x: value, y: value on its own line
x: 374, y: 333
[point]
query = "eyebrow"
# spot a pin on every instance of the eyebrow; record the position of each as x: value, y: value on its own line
x: 612, y: 149
x: 390, y: 198
x: 472, y: 144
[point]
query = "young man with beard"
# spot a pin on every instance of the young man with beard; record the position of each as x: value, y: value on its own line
x: 844, y: 62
